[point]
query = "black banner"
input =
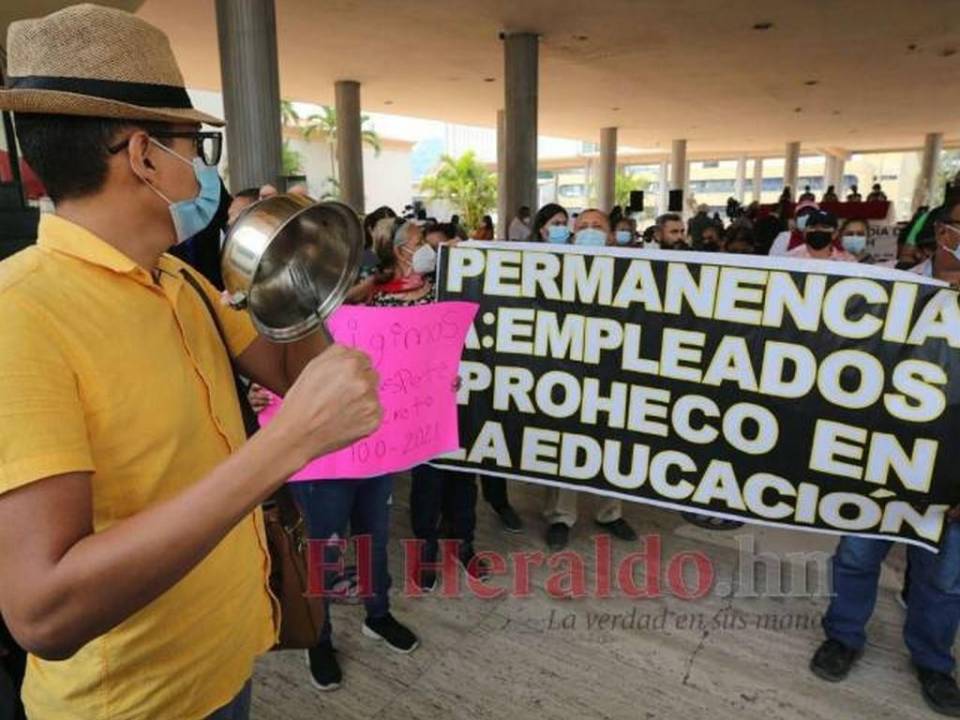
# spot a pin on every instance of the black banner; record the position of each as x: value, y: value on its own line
x: 816, y: 395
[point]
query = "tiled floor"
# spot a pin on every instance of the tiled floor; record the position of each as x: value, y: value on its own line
x: 540, y: 657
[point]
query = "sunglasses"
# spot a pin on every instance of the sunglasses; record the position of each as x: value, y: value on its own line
x: 209, y: 143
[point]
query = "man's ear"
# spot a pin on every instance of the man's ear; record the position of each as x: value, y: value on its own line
x: 141, y: 152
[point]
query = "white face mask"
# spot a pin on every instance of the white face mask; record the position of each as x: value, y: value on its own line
x: 424, y: 260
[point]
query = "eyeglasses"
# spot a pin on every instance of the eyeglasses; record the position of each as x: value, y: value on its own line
x: 209, y: 143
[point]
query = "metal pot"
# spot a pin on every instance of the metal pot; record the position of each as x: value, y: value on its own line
x: 290, y: 261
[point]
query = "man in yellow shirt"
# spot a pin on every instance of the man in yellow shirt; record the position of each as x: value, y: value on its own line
x: 132, y: 556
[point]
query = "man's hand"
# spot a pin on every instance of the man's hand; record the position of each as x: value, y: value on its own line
x: 333, y: 403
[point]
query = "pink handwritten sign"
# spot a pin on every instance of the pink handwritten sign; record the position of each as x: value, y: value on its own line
x: 417, y: 351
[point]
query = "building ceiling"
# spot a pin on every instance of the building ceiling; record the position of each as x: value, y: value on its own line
x: 853, y: 75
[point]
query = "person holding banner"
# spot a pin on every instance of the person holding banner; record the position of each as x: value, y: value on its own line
x: 853, y: 237
x: 933, y: 592
x: 592, y: 228
x: 438, y: 498
x: 330, y: 507
x: 943, y: 260
x: 819, y: 236
x: 551, y: 225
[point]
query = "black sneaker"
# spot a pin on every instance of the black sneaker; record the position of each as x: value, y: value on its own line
x: 324, y: 669
x: 427, y: 581
x: 619, y: 528
x: 711, y: 522
x: 510, y: 520
x: 833, y: 660
x: 473, y: 566
x: 558, y: 535
x: 398, y: 637
x: 940, y: 691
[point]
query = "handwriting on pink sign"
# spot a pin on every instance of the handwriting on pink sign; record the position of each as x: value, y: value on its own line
x: 417, y: 351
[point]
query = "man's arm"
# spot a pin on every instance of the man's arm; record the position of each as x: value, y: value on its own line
x: 61, y: 584
x: 276, y: 366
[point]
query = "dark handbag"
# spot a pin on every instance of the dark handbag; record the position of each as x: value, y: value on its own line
x: 301, y: 615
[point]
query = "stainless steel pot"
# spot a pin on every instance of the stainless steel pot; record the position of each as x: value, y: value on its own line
x: 290, y: 261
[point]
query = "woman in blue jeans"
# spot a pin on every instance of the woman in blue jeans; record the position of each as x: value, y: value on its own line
x: 329, y: 507
x: 933, y: 613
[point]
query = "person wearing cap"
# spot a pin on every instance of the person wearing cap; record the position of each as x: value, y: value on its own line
x: 133, y: 563
x: 790, y: 238
x: 820, y: 239
x: 932, y: 595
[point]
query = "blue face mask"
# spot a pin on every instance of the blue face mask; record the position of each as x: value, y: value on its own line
x: 624, y: 237
x: 192, y: 216
x: 802, y: 222
x: 590, y: 237
x: 558, y: 234
x: 854, y: 244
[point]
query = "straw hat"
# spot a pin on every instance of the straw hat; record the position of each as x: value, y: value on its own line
x: 95, y: 61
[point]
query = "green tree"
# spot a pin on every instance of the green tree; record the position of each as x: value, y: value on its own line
x: 291, y: 160
x: 625, y: 183
x: 324, y: 125
x: 288, y: 114
x: 466, y: 184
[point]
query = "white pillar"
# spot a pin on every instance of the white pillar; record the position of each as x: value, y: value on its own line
x: 502, y: 219
x: 829, y: 171
x: 791, y: 167
x: 757, y: 179
x: 678, y: 165
x: 739, y: 185
x: 929, y: 164
x: 608, y: 169
x: 589, y: 191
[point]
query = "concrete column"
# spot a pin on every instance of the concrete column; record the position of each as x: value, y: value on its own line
x: 589, y: 188
x: 664, y: 187
x: 520, y: 59
x: 608, y: 169
x: 502, y: 219
x: 791, y: 167
x: 247, y: 34
x: 757, y: 179
x: 929, y: 164
x: 678, y: 165
x: 349, y: 143
x: 838, y: 166
x: 740, y: 183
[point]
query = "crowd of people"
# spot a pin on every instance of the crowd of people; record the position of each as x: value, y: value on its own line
x: 132, y: 559
x: 399, y: 271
